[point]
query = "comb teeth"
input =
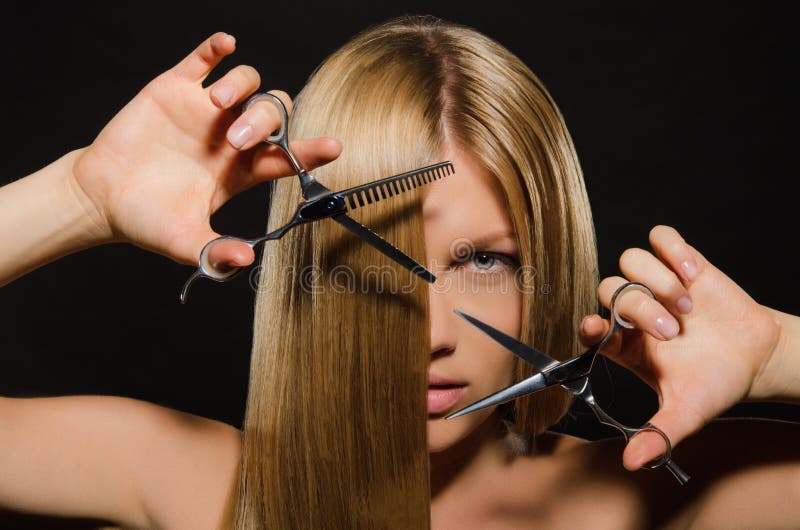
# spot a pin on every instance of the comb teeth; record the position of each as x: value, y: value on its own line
x: 391, y: 186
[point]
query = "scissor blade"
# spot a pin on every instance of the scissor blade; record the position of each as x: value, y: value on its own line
x: 384, y: 246
x: 391, y: 186
x: 528, y: 386
x: 529, y: 354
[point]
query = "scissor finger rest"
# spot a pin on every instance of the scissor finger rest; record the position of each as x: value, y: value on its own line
x: 280, y: 136
x: 664, y: 460
x: 585, y: 393
x: 630, y: 286
x: 205, y: 269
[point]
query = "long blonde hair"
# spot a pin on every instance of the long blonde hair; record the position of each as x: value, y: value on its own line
x: 335, y: 428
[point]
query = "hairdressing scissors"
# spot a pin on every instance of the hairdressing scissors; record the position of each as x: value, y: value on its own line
x: 572, y: 374
x: 320, y: 202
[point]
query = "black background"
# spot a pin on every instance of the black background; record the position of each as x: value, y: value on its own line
x: 681, y: 114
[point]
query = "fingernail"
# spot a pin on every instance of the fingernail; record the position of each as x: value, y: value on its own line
x: 239, y: 135
x: 690, y: 269
x: 684, y: 304
x: 668, y: 327
x: 223, y: 93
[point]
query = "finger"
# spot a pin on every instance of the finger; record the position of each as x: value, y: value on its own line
x: 678, y: 422
x: 641, y: 266
x: 673, y: 250
x: 592, y: 329
x: 270, y: 162
x: 258, y: 122
x: 234, y: 86
x: 229, y: 254
x: 196, y: 66
x: 189, y: 244
x: 637, y: 307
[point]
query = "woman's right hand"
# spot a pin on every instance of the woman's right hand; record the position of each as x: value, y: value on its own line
x: 176, y: 153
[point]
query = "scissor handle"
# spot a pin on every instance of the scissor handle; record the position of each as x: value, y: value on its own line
x: 205, y: 269
x: 666, y: 459
x: 629, y: 432
x: 279, y: 137
x: 630, y: 286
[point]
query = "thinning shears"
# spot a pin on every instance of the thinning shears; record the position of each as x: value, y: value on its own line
x: 320, y: 202
x: 572, y: 374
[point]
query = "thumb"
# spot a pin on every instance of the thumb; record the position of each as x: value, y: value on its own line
x: 592, y: 329
x: 646, y: 446
x: 223, y: 254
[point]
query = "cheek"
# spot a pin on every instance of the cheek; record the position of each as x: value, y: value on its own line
x: 488, y: 365
x: 492, y: 370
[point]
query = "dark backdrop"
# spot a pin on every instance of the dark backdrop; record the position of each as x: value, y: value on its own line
x: 682, y: 115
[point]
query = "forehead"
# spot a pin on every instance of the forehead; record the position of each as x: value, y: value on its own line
x: 471, y: 201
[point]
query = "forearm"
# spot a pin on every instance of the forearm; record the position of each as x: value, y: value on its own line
x: 779, y: 380
x: 43, y: 217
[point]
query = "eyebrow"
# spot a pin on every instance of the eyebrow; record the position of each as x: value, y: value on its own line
x: 493, y: 237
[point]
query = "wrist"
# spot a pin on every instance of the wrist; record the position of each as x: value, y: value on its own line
x: 778, y: 378
x: 77, y: 209
x: 44, y: 217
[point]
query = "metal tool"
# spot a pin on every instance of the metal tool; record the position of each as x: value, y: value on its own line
x: 320, y: 202
x: 572, y: 374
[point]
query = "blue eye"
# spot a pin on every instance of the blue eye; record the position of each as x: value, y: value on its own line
x: 485, y: 262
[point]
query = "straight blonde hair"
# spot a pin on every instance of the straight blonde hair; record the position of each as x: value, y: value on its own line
x: 335, y: 427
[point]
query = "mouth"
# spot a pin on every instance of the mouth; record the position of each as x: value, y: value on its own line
x: 443, y: 393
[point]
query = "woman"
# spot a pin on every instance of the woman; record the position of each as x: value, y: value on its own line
x: 334, y: 433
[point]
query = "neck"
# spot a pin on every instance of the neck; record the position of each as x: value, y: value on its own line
x: 483, y: 448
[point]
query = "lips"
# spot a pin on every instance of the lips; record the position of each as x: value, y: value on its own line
x: 443, y: 393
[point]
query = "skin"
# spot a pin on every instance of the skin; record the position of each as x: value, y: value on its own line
x: 481, y: 285
x: 144, y: 466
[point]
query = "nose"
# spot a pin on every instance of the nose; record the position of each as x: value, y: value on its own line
x: 443, y: 325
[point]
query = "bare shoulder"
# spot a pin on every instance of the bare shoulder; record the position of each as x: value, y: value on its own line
x: 568, y: 482
x: 745, y: 473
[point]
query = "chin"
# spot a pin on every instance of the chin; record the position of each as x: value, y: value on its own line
x: 443, y: 434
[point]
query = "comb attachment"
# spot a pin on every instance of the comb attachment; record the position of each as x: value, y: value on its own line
x: 394, y: 185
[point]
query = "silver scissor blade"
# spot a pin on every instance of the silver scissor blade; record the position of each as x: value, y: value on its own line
x: 384, y: 246
x: 529, y: 354
x: 528, y: 386
x: 390, y: 186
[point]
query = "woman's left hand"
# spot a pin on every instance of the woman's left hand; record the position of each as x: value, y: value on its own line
x: 702, y: 344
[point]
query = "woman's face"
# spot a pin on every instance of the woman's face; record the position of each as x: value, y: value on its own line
x: 472, y: 250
